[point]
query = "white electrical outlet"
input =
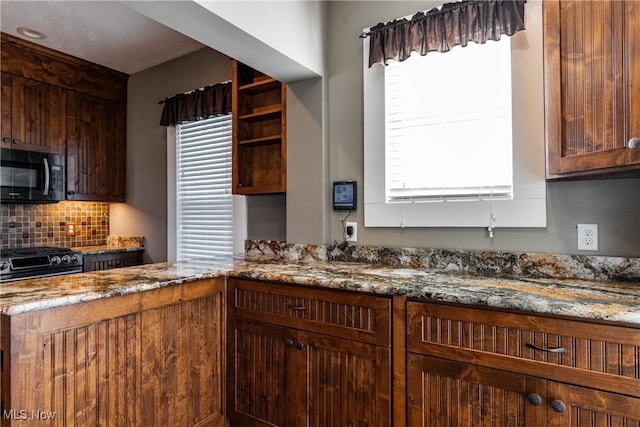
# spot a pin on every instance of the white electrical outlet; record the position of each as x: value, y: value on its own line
x: 354, y: 235
x: 587, y: 237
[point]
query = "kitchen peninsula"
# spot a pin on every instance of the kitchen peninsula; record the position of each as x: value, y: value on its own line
x: 117, y: 338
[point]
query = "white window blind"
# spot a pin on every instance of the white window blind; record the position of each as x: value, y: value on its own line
x: 448, y: 125
x: 204, y: 211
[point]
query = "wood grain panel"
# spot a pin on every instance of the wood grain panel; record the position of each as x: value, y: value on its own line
x: 107, y: 261
x: 32, y: 61
x: 349, y: 383
x: 157, y: 366
x: 594, y: 352
x: 445, y: 393
x: 96, y: 148
x: 258, y: 380
x: 590, y: 408
x: 38, y: 116
x: 592, y: 101
x: 353, y: 316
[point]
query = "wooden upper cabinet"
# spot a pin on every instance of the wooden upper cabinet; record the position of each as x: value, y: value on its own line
x: 592, y: 87
x: 58, y: 103
x: 96, y: 149
x: 33, y: 115
x: 259, y: 132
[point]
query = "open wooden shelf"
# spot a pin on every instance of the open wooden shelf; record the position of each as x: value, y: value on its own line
x: 259, y: 132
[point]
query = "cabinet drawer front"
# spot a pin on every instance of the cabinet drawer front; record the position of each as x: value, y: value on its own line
x: 358, y: 317
x: 596, y: 355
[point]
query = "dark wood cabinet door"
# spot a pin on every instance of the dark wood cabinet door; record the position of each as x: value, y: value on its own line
x: 592, y: 86
x: 349, y: 382
x: 258, y: 376
x: 282, y: 376
x: 582, y: 407
x: 108, y: 261
x: 33, y: 115
x: 442, y: 392
x: 96, y: 148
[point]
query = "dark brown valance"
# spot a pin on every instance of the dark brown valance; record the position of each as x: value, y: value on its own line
x: 199, y: 104
x: 440, y: 29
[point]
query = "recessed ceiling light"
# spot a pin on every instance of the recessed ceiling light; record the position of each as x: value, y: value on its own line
x: 31, y: 33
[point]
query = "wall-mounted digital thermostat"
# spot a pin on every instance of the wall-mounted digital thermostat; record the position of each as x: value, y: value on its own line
x: 344, y: 195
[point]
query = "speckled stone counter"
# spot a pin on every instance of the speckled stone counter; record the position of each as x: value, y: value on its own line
x: 106, y: 249
x: 600, y: 300
x: 115, y: 244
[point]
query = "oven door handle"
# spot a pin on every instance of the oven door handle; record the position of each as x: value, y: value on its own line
x: 45, y: 191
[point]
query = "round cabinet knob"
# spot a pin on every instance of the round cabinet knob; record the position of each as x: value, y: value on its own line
x: 288, y: 343
x: 558, y: 406
x: 299, y: 345
x: 535, y: 399
x: 55, y: 260
x: 634, y: 143
x: 17, y: 141
x: 6, y: 140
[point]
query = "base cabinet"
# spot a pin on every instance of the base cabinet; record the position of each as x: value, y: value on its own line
x: 443, y: 392
x: 152, y: 358
x: 477, y: 367
x: 578, y: 406
x: 107, y: 261
x: 282, y: 373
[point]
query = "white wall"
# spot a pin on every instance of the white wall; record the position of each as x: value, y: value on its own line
x: 280, y: 38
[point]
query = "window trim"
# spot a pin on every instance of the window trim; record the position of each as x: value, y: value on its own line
x: 528, y: 206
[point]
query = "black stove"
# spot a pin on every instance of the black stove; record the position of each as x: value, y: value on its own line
x: 41, y: 261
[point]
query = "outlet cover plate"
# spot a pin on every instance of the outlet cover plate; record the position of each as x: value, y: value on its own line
x: 587, y: 237
x: 354, y: 236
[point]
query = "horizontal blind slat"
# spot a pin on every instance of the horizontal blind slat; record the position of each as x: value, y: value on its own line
x: 203, y: 187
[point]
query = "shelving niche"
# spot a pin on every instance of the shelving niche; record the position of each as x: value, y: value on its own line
x: 259, y: 132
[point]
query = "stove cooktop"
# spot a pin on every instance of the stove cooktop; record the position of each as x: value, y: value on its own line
x: 40, y: 261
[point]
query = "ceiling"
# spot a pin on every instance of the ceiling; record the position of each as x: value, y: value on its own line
x: 103, y: 32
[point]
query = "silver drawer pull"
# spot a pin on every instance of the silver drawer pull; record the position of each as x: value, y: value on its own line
x: 633, y: 143
x: 296, y: 308
x: 548, y: 350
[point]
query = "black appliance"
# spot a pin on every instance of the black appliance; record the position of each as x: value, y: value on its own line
x: 42, y: 261
x: 31, y: 176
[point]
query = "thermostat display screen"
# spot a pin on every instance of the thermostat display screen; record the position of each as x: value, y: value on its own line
x: 344, y: 195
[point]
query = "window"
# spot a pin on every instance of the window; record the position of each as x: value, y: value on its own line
x: 448, y: 145
x: 204, y: 203
x: 448, y: 137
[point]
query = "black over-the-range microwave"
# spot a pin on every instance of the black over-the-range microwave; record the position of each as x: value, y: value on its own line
x: 31, y: 176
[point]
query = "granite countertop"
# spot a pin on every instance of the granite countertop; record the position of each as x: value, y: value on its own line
x: 599, y: 300
x: 114, y: 244
x: 103, y: 249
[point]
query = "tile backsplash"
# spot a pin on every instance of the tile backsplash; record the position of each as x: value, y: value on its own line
x: 25, y: 225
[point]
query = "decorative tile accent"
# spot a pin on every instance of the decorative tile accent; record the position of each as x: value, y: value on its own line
x: 559, y: 266
x: 27, y: 225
